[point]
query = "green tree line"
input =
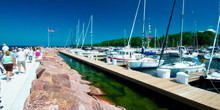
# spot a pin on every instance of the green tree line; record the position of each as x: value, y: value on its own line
x: 204, y: 39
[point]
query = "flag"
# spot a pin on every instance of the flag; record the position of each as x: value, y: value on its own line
x: 50, y: 30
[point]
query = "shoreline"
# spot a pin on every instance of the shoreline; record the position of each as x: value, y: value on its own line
x: 59, y: 86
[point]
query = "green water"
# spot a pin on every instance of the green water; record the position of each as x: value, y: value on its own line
x: 124, y: 93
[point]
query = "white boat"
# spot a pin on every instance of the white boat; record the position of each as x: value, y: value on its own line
x: 216, y: 56
x: 193, y: 55
x: 145, y: 63
x: 212, y: 80
x: 176, y: 52
x: 137, y: 60
x: 189, y: 65
x: 127, y: 54
x: 77, y: 51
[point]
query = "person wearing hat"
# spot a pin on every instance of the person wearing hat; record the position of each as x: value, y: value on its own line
x: 4, y: 48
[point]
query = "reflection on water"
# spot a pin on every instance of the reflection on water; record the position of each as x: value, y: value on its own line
x: 124, y: 93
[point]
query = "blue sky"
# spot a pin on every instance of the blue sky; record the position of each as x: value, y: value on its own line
x: 25, y: 22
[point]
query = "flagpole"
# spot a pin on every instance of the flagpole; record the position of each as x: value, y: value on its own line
x: 48, y: 37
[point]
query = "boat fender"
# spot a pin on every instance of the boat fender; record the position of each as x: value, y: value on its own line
x: 202, y: 61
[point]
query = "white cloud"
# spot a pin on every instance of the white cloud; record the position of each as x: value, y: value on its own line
x: 212, y: 30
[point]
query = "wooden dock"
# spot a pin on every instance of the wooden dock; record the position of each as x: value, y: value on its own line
x: 192, y: 77
x: 195, y: 76
x: 192, y: 96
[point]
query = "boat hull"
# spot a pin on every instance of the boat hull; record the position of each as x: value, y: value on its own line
x: 144, y: 64
x: 174, y: 54
x: 189, y: 70
x: 215, y: 57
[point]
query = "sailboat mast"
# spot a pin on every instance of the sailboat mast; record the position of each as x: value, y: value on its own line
x: 196, y: 38
x: 67, y: 38
x: 181, y: 37
x: 143, y: 32
x: 134, y: 23
x: 213, y: 47
x: 83, y: 34
x: 173, y: 43
x: 155, y: 40
x: 71, y: 36
x: 124, y: 36
x: 77, y: 32
x: 48, y: 37
x: 91, y: 29
x: 168, y: 27
x: 218, y: 35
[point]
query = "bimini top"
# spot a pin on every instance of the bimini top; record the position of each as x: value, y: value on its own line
x: 193, y: 60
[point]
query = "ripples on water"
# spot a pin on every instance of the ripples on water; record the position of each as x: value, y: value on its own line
x: 124, y: 93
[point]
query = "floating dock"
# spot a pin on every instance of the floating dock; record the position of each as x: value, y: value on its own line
x: 192, y: 96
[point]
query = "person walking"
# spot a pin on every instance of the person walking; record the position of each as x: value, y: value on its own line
x: 30, y: 54
x: 37, y: 53
x: 8, y: 62
x: 21, y: 58
x: 13, y: 55
x: 4, y: 48
x: 1, y: 66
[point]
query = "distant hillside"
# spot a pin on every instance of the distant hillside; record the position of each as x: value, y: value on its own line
x: 204, y: 39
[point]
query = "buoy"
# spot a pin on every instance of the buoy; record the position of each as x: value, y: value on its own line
x: 202, y: 61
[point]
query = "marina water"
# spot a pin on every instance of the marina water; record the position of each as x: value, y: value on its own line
x: 122, y: 92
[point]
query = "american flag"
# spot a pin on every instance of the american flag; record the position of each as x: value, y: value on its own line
x: 50, y: 30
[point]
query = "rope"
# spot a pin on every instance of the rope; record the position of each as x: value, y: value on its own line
x: 214, y: 86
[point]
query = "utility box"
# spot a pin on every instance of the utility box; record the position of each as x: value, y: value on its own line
x: 182, y: 77
x: 163, y: 73
x: 114, y: 62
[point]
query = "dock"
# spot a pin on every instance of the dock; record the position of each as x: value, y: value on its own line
x: 192, y: 77
x: 195, y: 76
x: 192, y: 96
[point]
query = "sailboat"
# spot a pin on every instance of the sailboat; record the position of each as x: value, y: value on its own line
x: 211, y: 80
x: 144, y: 62
x: 77, y: 50
x: 127, y: 54
x: 193, y: 53
x: 188, y: 64
x: 176, y: 52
